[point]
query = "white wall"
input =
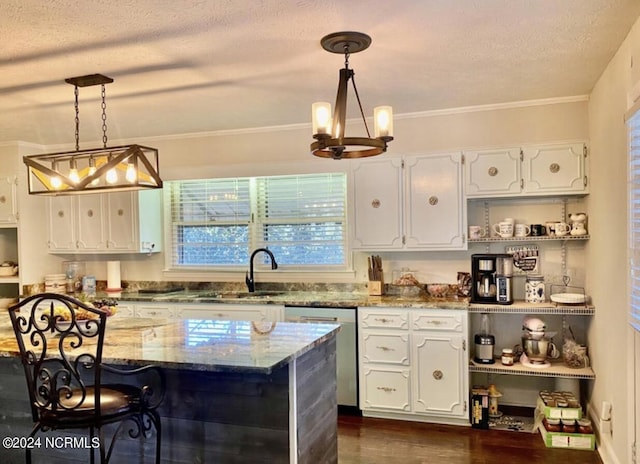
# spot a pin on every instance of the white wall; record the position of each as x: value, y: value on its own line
x: 607, y: 250
x: 286, y: 150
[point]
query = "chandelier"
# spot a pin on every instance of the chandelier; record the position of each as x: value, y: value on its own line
x: 328, y: 129
x: 122, y: 168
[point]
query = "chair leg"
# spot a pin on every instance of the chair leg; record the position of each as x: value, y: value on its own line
x: 158, y: 426
x: 34, y: 430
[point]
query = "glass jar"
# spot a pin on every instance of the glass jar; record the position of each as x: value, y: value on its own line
x: 534, y: 289
x: 507, y: 357
x: 584, y: 426
x: 553, y: 425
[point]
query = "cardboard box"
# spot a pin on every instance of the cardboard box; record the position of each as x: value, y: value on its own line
x: 577, y: 441
x: 479, y: 410
x: 559, y: 413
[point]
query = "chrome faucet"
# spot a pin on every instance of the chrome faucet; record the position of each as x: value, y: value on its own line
x: 251, y: 286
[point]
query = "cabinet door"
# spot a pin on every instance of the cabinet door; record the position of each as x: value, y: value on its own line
x: 8, y: 206
x: 377, y: 190
x: 61, y: 224
x: 439, y: 383
x: 385, y: 388
x: 121, y: 221
x: 435, y: 208
x: 91, y: 223
x: 555, y: 169
x: 492, y: 173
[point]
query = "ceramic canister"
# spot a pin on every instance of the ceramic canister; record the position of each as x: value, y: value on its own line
x: 534, y: 289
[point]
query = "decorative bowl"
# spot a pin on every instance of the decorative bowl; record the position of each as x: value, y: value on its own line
x: 438, y: 290
x: 8, y: 271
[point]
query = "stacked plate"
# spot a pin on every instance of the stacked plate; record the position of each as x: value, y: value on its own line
x: 568, y: 298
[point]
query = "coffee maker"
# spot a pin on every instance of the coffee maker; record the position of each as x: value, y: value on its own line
x: 504, y: 276
x: 491, y: 276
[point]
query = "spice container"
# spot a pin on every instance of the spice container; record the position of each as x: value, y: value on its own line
x: 553, y: 425
x: 534, y: 289
x: 568, y: 425
x: 584, y: 426
x: 508, y: 357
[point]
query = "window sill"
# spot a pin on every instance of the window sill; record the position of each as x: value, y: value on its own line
x: 280, y: 276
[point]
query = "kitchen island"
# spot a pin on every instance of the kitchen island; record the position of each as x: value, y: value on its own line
x: 236, y: 391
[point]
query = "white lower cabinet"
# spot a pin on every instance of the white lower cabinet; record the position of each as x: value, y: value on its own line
x: 413, y: 364
x: 222, y: 311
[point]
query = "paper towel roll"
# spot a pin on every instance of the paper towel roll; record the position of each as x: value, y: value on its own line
x: 113, y: 276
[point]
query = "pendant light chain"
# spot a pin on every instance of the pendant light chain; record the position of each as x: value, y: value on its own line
x: 104, y: 116
x: 77, y: 119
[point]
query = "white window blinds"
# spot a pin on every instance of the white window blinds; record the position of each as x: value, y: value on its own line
x: 218, y: 222
x: 634, y: 217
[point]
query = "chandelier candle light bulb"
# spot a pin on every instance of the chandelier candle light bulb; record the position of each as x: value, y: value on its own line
x: 73, y: 171
x: 321, y: 117
x: 56, y: 182
x: 383, y: 121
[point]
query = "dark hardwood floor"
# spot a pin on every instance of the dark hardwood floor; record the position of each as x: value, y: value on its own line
x: 379, y: 441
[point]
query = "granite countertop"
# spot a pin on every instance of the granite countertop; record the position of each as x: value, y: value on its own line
x: 292, y: 298
x: 205, y: 345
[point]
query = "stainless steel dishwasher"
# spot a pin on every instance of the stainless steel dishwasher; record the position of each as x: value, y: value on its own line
x: 346, y: 345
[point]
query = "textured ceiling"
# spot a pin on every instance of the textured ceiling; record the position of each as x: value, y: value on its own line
x: 200, y: 66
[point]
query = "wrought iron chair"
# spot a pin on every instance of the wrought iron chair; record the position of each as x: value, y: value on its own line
x: 61, y: 341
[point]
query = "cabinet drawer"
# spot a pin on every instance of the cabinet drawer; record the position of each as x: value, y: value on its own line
x: 385, y: 389
x: 221, y: 312
x: 385, y: 319
x: 154, y: 311
x: 385, y: 348
x: 427, y: 320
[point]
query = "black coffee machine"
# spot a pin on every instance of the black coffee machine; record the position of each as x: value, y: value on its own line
x: 484, y: 279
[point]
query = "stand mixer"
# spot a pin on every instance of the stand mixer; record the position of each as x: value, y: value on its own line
x: 536, y: 343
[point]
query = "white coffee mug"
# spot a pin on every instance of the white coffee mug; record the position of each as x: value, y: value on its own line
x: 503, y: 229
x: 476, y: 232
x: 562, y: 228
x: 522, y: 230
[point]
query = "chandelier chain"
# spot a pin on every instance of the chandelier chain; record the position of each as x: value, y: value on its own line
x: 77, y: 108
x: 104, y: 116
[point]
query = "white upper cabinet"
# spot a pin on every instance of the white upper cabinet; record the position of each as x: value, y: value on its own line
x: 435, y: 210
x: 492, y: 173
x: 553, y: 169
x: 377, y: 188
x: 8, y: 204
x: 414, y: 202
x: 116, y: 222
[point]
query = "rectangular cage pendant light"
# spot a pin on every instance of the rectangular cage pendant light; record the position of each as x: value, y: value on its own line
x: 128, y: 167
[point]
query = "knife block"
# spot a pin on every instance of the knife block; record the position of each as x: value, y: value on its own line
x: 376, y: 287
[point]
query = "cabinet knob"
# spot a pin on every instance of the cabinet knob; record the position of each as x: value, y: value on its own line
x: 554, y: 167
x: 437, y: 374
x: 493, y: 171
x: 433, y: 200
x: 376, y: 203
x: 120, y: 212
x: 90, y: 213
x: 3, y: 199
x: 60, y: 214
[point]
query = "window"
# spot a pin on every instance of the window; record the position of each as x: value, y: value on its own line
x: 216, y: 223
x: 634, y: 217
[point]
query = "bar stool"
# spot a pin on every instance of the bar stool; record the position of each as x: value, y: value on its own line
x: 61, y: 341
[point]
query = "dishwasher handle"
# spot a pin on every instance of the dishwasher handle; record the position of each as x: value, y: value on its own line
x: 318, y: 319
